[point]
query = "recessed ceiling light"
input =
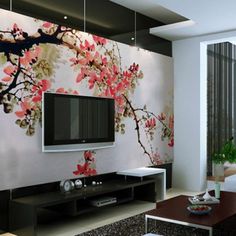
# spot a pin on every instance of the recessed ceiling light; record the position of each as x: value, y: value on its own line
x: 132, y: 38
x: 65, y: 17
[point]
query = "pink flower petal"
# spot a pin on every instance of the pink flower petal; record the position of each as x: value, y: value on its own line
x: 20, y: 114
x: 9, y: 70
x: 7, y: 79
x: 47, y: 24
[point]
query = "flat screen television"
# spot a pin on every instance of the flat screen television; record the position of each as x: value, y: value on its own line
x: 74, y: 123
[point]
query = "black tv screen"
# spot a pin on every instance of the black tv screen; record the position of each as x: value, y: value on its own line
x: 72, y: 122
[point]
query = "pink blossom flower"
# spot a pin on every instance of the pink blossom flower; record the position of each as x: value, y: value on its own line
x: 171, y: 122
x: 99, y: 40
x: 151, y: 123
x: 41, y: 87
x: 120, y: 87
x: 74, y: 61
x: 162, y: 116
x: 61, y: 90
x: 87, y: 59
x: 47, y: 24
x: 87, y: 46
x: 134, y: 68
x: 104, y: 61
x: 88, y: 155
x: 93, y: 79
x: 30, y: 56
x: 75, y: 92
x: 171, y: 142
x: 157, y: 159
x: 6, y: 79
x: 10, y: 70
x: 83, y: 73
x: 120, y: 101
x: 16, y: 29
x: 85, y: 169
x: 26, y: 105
x: 115, y: 69
x: 126, y: 74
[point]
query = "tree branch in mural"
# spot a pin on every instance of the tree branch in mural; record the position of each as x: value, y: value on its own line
x: 88, y: 166
x: 149, y: 119
x: 29, y: 63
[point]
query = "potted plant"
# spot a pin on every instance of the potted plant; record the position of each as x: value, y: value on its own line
x: 226, y: 154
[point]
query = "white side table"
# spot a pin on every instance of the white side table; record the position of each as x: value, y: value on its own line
x: 157, y: 173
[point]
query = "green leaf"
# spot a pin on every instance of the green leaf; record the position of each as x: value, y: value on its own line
x: 18, y: 121
x: 3, y: 59
x: 226, y: 154
x: 23, y: 124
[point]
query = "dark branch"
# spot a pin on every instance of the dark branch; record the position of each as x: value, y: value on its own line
x: 13, y: 83
x: 151, y: 113
x: 138, y: 129
x: 18, y: 46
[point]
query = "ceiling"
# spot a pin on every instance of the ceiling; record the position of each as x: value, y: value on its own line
x: 199, y: 17
x: 102, y: 17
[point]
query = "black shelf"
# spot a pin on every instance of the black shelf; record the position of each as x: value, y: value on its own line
x: 23, y: 208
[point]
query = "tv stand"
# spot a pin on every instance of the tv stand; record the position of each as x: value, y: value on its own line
x: 23, y: 207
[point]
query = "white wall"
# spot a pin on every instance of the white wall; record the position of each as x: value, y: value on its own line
x: 189, y: 168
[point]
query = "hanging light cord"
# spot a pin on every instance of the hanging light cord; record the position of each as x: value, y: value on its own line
x: 135, y: 34
x: 10, y: 5
x: 84, y: 15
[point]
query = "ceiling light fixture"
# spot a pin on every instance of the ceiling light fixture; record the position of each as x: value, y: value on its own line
x: 65, y: 17
x: 132, y: 38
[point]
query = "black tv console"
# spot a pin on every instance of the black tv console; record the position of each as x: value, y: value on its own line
x: 26, y: 201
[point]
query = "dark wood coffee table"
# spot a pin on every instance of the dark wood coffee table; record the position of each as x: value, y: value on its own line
x: 174, y: 210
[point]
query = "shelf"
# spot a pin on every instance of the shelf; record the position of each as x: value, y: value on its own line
x: 78, y: 201
x: 54, y: 198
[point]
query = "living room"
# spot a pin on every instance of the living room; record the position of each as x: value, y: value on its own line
x: 156, y: 80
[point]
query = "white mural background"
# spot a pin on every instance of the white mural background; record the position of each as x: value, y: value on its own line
x: 22, y: 162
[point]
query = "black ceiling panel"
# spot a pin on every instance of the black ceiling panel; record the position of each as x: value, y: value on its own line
x: 103, y: 18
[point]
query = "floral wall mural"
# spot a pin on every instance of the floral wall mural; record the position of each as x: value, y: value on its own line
x: 37, y: 56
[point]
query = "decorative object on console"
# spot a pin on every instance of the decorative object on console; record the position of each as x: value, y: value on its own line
x: 206, y: 196
x: 217, y: 189
x: 78, y: 184
x: 103, y: 201
x: 66, y: 186
x: 200, y: 200
x: 199, y: 209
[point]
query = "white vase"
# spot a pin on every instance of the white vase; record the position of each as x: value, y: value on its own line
x: 218, y: 169
x: 217, y: 189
